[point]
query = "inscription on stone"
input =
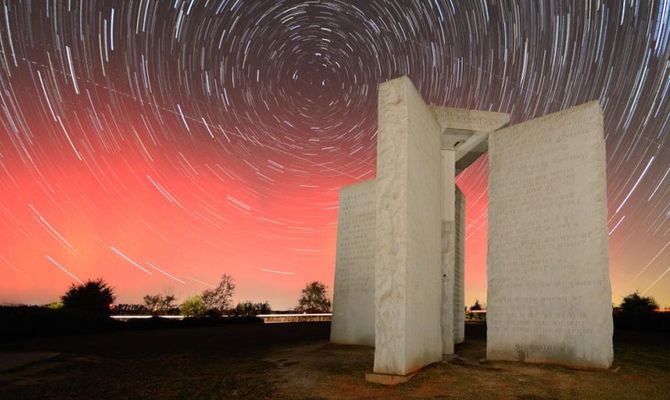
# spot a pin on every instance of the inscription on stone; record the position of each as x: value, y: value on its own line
x: 469, y: 120
x: 408, y: 259
x: 549, y: 295
x: 399, y: 280
x: 353, y: 299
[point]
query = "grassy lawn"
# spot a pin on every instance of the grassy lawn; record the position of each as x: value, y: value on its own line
x: 295, y: 361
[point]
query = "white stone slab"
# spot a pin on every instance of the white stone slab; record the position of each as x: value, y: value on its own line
x: 353, y: 298
x: 408, y: 254
x: 549, y: 294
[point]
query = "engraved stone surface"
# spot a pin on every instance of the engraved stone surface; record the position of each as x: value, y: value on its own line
x: 549, y: 294
x: 408, y: 228
x: 353, y: 298
x: 459, y: 267
x: 469, y: 120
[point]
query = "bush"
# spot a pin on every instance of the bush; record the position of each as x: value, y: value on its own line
x: 92, y: 299
x: 193, y: 307
x: 159, y: 304
x: 476, y: 306
x: 56, y: 305
x: 249, y: 309
x: 636, y: 304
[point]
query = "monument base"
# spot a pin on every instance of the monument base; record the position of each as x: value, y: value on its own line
x: 387, y: 379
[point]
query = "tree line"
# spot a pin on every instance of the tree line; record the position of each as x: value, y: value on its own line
x: 633, y: 304
x: 95, y: 298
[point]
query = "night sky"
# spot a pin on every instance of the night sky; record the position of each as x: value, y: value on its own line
x: 161, y: 143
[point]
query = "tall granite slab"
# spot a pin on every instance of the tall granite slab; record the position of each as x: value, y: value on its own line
x: 353, y: 320
x: 549, y: 294
x: 408, y: 248
x: 459, y: 266
x: 448, y: 250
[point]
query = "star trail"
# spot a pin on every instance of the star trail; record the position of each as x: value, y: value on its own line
x: 161, y: 143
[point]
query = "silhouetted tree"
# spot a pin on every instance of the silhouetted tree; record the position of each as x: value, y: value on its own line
x: 152, y: 302
x: 159, y: 304
x: 91, y: 299
x: 250, y: 309
x: 314, y: 299
x: 636, y: 304
x: 221, y: 297
x: 476, y: 306
x: 169, y: 301
x: 193, y: 307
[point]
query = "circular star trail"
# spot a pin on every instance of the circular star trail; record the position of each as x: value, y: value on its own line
x: 160, y: 144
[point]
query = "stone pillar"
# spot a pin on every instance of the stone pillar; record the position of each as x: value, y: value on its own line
x: 408, y: 225
x: 448, y: 250
x: 459, y: 267
x: 353, y: 297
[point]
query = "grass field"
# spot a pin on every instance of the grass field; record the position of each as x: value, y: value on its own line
x: 295, y: 361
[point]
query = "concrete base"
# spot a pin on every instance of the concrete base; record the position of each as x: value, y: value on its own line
x: 388, y: 380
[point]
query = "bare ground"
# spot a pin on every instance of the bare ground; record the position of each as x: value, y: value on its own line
x: 295, y: 361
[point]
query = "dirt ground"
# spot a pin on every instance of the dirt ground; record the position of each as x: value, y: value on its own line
x: 295, y: 361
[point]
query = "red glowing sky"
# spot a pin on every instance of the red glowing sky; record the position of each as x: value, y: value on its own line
x: 159, y: 146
